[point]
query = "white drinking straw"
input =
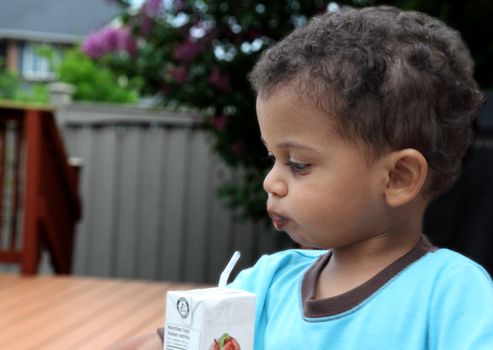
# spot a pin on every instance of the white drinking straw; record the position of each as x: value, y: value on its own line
x: 223, y: 279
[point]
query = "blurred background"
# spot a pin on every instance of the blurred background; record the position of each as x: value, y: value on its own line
x: 128, y: 139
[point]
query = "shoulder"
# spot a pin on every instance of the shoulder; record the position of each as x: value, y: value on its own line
x: 457, y: 283
x: 460, y: 302
x: 447, y: 263
x: 288, y: 263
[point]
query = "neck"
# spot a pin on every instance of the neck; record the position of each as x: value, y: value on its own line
x: 378, y: 251
x: 396, y: 237
x: 350, y: 267
x: 354, y: 264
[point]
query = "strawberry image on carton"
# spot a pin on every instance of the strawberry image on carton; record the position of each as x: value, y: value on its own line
x: 226, y: 342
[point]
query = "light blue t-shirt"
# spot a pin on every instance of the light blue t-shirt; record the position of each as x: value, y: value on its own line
x: 437, y: 300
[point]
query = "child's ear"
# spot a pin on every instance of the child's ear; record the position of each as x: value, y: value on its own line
x: 406, y: 173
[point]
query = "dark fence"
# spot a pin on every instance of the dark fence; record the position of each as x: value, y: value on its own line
x: 462, y: 218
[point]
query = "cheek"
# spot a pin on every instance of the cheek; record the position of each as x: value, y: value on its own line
x: 333, y: 200
x: 316, y: 204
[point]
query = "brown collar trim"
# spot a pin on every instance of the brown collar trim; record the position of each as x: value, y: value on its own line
x: 313, y: 308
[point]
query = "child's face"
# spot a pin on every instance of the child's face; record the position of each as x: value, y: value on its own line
x: 321, y: 189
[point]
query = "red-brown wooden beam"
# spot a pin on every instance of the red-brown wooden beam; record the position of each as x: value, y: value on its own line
x: 31, y: 239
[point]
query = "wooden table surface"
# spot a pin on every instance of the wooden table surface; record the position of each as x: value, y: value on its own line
x: 50, y: 312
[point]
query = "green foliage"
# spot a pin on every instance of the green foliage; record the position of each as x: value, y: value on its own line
x: 9, y: 85
x: 11, y: 88
x: 37, y: 93
x: 93, y: 82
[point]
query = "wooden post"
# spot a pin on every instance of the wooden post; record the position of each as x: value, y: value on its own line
x: 31, y: 239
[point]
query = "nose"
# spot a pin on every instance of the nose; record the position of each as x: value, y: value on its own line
x: 274, y: 184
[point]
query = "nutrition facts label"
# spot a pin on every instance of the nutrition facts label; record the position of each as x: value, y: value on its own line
x: 178, y: 337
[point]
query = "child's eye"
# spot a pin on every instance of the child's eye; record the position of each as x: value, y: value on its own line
x: 298, y: 167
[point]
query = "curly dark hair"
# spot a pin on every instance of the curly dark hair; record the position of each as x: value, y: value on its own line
x: 393, y: 79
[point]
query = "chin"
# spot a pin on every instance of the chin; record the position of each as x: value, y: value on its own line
x: 301, y: 243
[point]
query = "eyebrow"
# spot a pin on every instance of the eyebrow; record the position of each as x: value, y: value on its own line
x: 288, y: 144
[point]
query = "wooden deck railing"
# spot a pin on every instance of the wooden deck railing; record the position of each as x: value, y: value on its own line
x: 39, y: 199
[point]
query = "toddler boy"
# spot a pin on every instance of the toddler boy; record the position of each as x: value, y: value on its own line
x: 367, y: 114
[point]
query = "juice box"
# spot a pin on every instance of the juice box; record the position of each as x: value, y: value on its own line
x: 216, y: 318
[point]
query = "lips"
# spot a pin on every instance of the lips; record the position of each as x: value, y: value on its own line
x: 278, y: 220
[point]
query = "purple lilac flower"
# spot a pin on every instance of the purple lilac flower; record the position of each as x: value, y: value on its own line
x: 146, y: 23
x: 179, y: 5
x: 187, y: 51
x: 111, y: 37
x: 108, y: 40
x: 219, y: 80
x: 94, y: 46
x: 153, y: 8
x: 179, y: 74
x: 127, y: 42
x: 219, y: 122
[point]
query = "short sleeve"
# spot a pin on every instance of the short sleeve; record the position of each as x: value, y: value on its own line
x: 461, y: 315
